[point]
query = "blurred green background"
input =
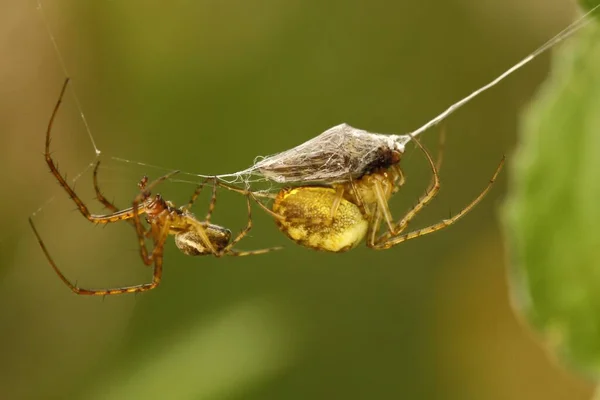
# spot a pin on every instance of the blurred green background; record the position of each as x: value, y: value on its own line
x: 205, y: 87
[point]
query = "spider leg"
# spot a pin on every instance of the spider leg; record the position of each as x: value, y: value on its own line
x: 254, y: 196
x: 97, y: 219
x: 213, y: 202
x: 374, y: 225
x: 195, y: 195
x: 430, y: 192
x: 429, y: 195
x: 339, y: 195
x: 156, y: 278
x: 394, y: 240
x: 199, y: 228
x: 54, y: 168
x: 239, y: 253
x: 228, y: 249
x: 382, y: 206
x: 99, y: 196
x: 107, y: 204
x: 243, y: 232
x: 401, y: 178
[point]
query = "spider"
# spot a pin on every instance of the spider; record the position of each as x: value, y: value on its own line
x: 337, y: 216
x: 192, y: 237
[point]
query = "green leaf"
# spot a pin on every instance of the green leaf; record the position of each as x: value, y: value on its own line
x: 553, y: 211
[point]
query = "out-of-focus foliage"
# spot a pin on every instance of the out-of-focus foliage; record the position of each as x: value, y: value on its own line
x: 553, y: 214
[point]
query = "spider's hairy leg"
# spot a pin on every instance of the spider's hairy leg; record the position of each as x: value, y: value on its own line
x: 213, y: 202
x: 243, y: 232
x: 54, y: 167
x: 99, y: 196
x: 242, y: 253
x: 372, y: 192
x: 382, y: 206
x: 401, y: 179
x: 106, y: 203
x: 373, y: 228
x: 339, y: 195
x: 394, y: 240
x: 156, y: 278
x: 199, y: 228
x: 255, y: 196
x: 229, y: 248
x: 97, y: 219
x: 195, y: 195
x: 429, y: 195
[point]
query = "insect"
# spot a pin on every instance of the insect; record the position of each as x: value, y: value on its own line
x: 337, y: 217
x: 339, y: 154
x: 192, y: 237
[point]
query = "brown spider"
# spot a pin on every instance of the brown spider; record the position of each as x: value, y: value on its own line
x: 337, y: 216
x: 192, y: 237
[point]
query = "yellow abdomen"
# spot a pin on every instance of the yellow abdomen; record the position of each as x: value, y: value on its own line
x: 307, y: 219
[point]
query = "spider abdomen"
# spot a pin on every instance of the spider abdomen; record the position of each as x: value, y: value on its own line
x: 307, y: 219
x: 191, y: 243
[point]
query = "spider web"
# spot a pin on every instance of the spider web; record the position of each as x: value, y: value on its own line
x: 343, y: 152
x: 340, y: 153
x: 61, y: 60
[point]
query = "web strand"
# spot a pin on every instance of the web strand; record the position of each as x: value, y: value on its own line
x: 61, y: 60
x: 63, y: 65
x: 562, y: 35
x: 251, y: 175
